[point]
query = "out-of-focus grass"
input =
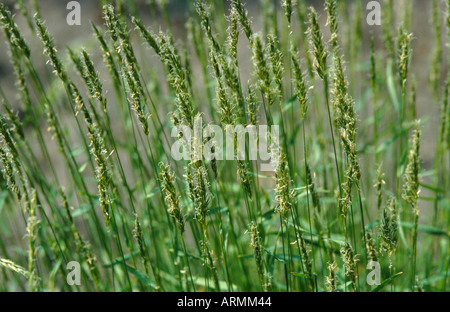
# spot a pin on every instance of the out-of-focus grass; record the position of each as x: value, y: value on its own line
x: 88, y: 175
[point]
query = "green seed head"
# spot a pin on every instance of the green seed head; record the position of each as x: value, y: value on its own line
x: 411, y: 176
x: 350, y: 263
x: 171, y: 198
x: 317, y: 45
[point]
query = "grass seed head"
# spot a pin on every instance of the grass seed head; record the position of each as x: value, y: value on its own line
x: 389, y: 229
x: 285, y: 196
x: 411, y: 176
x: 317, y: 45
x: 12, y: 31
x: 243, y: 18
x: 331, y: 278
x: 171, y: 198
x: 350, y: 263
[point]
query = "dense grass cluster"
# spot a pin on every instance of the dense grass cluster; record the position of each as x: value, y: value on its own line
x: 88, y: 176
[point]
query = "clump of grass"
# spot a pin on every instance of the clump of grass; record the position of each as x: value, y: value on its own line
x: 179, y: 225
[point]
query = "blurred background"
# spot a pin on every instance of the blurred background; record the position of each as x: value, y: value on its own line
x: 151, y: 12
x: 175, y: 18
x: 54, y: 12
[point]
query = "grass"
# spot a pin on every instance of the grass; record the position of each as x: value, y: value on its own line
x: 88, y: 176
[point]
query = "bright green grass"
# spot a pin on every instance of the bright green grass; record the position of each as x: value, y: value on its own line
x: 87, y: 173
